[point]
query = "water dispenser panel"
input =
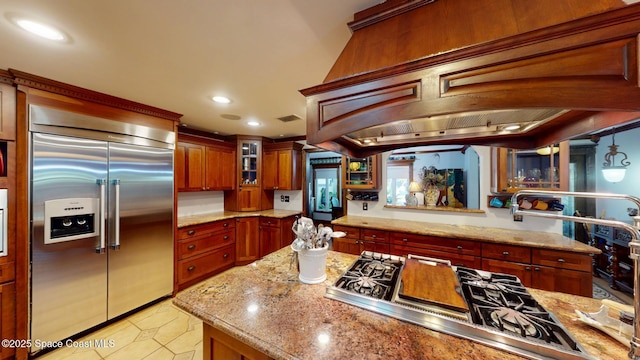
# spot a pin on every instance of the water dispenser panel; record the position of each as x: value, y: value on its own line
x: 70, y: 219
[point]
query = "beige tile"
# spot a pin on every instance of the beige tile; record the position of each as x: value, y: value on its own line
x: 171, y: 330
x: 199, y: 351
x: 125, y: 336
x: 185, y: 356
x: 147, y: 334
x: 156, y: 319
x: 186, y: 342
x: 161, y: 354
x: 71, y: 354
x: 135, y: 350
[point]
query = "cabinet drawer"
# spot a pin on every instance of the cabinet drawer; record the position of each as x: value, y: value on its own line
x: 462, y: 247
x: 469, y: 261
x: 267, y: 221
x: 200, y: 244
x: 374, y: 235
x: 202, y: 229
x: 197, y: 266
x: 352, y: 232
x: 562, y: 259
x: 507, y: 252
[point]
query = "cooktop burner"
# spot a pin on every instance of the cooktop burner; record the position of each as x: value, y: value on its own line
x: 502, y: 313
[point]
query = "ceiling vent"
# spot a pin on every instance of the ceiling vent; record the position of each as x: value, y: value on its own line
x: 290, y: 118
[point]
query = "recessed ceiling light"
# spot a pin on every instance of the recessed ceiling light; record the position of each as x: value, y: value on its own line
x: 40, y: 29
x: 253, y: 123
x: 221, y: 99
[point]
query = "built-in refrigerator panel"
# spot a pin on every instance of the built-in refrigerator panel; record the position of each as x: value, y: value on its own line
x: 141, y: 190
x: 68, y: 277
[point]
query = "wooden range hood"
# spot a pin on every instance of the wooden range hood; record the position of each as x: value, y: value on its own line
x: 427, y: 72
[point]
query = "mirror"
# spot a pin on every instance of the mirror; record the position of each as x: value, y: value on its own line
x: 433, y: 176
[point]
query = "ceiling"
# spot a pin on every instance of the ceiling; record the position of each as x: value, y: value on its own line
x: 176, y: 55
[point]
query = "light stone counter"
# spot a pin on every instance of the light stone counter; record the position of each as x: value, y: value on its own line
x: 265, y: 306
x: 222, y: 215
x: 486, y: 234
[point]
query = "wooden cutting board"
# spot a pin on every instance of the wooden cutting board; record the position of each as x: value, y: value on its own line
x: 431, y: 284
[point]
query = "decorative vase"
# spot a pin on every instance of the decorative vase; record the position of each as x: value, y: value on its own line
x: 431, y: 196
x: 313, y: 264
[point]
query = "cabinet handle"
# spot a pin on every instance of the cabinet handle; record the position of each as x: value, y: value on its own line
x: 561, y: 260
x: 225, y: 225
x: 528, y: 268
x: 191, y: 247
x: 191, y: 268
x: 405, y: 240
x: 191, y: 232
x: 226, y: 255
x: 373, y: 236
x: 459, y: 247
x: 357, y: 242
x: 505, y: 253
x: 204, y: 188
x: 226, y: 237
x: 536, y: 268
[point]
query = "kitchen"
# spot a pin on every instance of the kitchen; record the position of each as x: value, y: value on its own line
x: 191, y: 203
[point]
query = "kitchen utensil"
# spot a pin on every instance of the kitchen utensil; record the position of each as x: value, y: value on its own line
x: 431, y: 283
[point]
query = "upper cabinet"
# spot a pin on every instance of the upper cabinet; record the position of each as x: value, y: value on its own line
x: 361, y: 173
x: 204, y: 166
x: 7, y: 111
x: 282, y: 166
x: 247, y: 196
x: 545, y: 168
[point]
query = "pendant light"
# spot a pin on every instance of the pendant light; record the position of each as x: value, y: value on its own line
x: 611, y: 172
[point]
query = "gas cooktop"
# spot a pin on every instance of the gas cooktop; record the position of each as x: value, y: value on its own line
x: 502, y: 313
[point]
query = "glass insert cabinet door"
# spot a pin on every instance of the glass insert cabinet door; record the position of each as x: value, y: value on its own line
x: 249, y: 162
x: 543, y: 168
x: 326, y: 188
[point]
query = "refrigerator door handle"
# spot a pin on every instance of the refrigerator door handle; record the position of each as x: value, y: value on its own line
x: 103, y: 204
x: 116, y: 235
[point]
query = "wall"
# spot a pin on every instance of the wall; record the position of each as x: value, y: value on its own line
x: 492, y: 217
x: 627, y: 142
x: 205, y: 202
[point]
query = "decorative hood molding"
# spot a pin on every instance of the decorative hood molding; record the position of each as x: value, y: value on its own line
x: 458, y: 72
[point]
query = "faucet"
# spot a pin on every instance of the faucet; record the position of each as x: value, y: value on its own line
x: 634, y: 244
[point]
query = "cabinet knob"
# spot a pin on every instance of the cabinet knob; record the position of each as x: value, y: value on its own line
x: 226, y: 255
x: 536, y: 269
x: 225, y: 225
x: 505, y: 253
x: 405, y: 240
x: 459, y: 247
x: 226, y: 237
x: 357, y: 242
x: 191, y: 268
x: 373, y: 236
x: 191, y: 247
x: 561, y: 260
x: 204, y: 188
x: 191, y: 232
x: 528, y: 268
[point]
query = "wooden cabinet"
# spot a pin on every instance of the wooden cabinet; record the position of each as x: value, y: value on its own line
x: 220, y: 346
x: 282, y: 166
x: 522, y: 271
x: 203, y: 250
x: 8, y: 318
x: 202, y: 165
x: 543, y: 169
x: 507, y: 253
x: 247, y: 240
x: 459, y: 252
x: 248, y: 193
x: 361, y: 173
x: 270, y: 235
x: 7, y: 111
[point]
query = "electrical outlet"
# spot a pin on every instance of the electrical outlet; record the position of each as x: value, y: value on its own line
x: 286, y: 198
x: 517, y: 217
x: 281, y: 198
x: 365, y: 206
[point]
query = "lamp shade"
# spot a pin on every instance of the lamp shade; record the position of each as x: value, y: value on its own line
x: 415, y: 186
x: 614, y: 174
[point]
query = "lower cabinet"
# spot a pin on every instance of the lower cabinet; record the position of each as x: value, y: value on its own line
x: 8, y: 318
x: 270, y: 235
x: 220, y: 346
x: 247, y: 240
x: 204, y: 250
x: 356, y: 241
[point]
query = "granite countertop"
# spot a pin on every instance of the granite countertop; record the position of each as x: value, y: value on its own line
x: 487, y: 234
x: 264, y: 305
x: 222, y: 215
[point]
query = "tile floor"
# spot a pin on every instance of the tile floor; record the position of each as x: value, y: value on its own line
x: 161, y: 331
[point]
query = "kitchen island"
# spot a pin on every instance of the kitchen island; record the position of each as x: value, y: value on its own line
x: 263, y: 308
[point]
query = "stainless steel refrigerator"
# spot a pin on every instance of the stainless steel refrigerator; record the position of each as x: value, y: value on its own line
x: 102, y: 220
